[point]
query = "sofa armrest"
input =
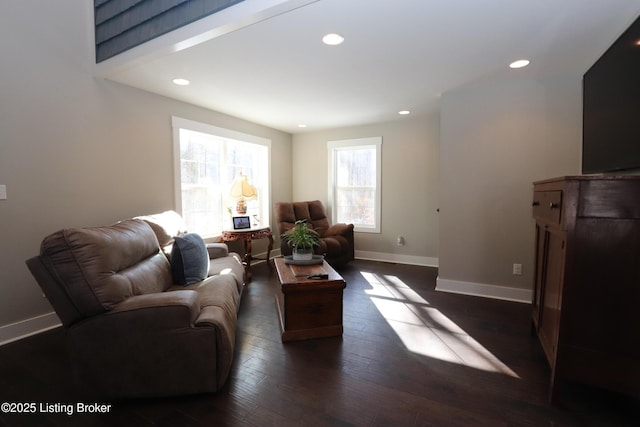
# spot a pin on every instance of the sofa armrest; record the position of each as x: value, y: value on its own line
x: 148, y: 345
x: 168, y: 309
x: 217, y: 250
x: 339, y: 230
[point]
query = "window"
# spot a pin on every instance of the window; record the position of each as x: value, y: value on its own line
x: 354, y: 182
x: 206, y: 161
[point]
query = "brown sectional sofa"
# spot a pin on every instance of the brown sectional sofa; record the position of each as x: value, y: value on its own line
x: 131, y: 330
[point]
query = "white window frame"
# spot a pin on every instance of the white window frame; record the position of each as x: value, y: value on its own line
x: 178, y: 123
x: 349, y: 144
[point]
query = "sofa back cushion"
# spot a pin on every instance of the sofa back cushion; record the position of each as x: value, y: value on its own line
x: 166, y: 225
x: 100, y: 267
x: 287, y: 213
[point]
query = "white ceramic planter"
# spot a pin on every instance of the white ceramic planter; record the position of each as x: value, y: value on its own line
x: 305, y: 254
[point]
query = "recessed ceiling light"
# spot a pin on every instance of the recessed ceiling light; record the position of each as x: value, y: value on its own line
x: 302, y: 125
x: 404, y: 112
x: 519, y: 63
x: 181, y: 82
x: 333, y: 39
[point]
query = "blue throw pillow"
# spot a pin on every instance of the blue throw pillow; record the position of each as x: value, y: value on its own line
x: 189, y: 259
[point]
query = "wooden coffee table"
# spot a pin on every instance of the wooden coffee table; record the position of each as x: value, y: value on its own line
x: 309, y: 308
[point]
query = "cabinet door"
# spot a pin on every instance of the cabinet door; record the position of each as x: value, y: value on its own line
x: 551, y: 298
x: 539, y: 276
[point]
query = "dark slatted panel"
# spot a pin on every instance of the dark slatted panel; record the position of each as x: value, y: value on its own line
x: 123, y: 24
x: 109, y: 9
x: 140, y: 14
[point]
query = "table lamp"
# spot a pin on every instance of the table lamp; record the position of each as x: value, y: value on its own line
x: 241, y: 191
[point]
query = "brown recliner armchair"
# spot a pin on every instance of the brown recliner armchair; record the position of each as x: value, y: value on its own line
x: 336, y: 241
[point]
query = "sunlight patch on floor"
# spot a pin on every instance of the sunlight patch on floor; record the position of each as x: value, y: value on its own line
x: 425, y: 330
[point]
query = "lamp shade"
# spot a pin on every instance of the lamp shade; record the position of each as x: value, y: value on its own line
x: 242, y: 189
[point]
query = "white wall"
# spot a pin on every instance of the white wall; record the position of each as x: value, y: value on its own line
x: 410, y: 157
x: 496, y: 139
x: 76, y: 150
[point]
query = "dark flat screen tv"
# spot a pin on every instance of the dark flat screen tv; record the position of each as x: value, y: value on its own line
x: 611, y: 108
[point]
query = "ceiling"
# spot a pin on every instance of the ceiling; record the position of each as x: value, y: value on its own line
x: 264, y: 61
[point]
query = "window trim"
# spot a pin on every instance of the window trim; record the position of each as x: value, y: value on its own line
x: 178, y: 123
x: 333, y: 147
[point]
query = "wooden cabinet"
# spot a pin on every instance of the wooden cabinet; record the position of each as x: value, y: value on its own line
x: 587, y: 280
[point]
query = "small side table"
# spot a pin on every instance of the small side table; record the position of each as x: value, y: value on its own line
x: 248, y: 235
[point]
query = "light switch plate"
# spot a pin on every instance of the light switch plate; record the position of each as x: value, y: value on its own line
x: 3, y: 192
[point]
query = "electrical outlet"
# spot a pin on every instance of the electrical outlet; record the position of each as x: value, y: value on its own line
x: 3, y: 192
x: 517, y: 269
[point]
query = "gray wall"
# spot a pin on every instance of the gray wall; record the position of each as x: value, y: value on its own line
x: 410, y: 156
x: 80, y: 151
x: 75, y: 150
x: 496, y: 139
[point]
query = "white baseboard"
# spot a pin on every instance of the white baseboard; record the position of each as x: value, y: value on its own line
x: 484, y: 290
x: 262, y: 256
x: 382, y: 257
x: 24, y: 328
x: 401, y: 259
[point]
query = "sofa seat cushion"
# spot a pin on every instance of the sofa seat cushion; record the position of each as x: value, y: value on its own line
x: 229, y: 265
x: 215, y: 291
x: 99, y: 267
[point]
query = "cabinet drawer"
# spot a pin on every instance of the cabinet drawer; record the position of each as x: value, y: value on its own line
x: 547, y: 205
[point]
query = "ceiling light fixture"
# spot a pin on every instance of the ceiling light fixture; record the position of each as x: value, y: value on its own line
x: 332, y: 39
x: 181, y: 82
x: 404, y: 112
x: 302, y: 125
x: 519, y: 63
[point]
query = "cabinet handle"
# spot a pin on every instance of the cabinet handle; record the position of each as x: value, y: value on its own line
x: 535, y: 203
x: 553, y: 205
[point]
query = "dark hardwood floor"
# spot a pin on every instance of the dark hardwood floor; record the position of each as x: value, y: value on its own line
x: 409, y: 356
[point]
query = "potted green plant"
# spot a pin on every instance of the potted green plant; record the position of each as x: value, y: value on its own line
x: 301, y: 239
